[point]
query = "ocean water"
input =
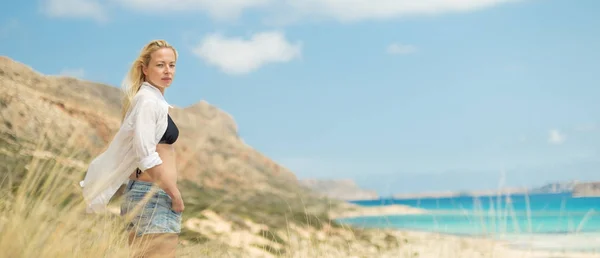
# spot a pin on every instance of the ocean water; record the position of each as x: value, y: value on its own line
x: 545, y: 221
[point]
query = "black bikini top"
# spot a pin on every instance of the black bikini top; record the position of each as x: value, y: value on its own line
x: 169, y: 137
x: 171, y: 134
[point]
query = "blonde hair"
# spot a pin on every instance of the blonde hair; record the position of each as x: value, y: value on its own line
x: 135, y: 77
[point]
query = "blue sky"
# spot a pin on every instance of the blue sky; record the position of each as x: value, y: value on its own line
x: 399, y: 95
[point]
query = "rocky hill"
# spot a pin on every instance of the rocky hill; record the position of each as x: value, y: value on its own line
x: 587, y: 189
x: 339, y: 189
x: 556, y: 187
x: 231, y: 190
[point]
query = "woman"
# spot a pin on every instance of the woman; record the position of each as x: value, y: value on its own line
x: 142, y: 153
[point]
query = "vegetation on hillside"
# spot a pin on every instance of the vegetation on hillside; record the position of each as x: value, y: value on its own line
x: 42, y: 211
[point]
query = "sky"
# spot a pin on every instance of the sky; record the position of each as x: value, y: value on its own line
x: 400, y: 96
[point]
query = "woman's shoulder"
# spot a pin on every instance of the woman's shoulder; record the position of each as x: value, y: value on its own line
x: 146, y: 100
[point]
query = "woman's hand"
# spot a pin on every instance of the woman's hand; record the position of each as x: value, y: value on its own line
x: 177, y: 204
x: 169, y: 185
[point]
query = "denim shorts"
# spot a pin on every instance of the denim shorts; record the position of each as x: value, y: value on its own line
x: 156, y: 216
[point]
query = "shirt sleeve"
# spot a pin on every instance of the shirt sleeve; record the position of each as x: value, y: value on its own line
x: 144, y: 134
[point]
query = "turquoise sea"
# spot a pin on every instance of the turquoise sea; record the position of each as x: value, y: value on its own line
x: 544, y: 221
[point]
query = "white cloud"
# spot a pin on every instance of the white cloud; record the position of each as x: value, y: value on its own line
x: 240, y: 56
x: 400, y: 49
x: 283, y: 11
x: 75, y: 9
x: 356, y: 10
x: 556, y: 137
x: 220, y: 9
x: 77, y: 73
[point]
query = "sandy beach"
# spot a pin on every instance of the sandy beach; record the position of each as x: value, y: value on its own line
x: 363, y: 211
x: 436, y: 245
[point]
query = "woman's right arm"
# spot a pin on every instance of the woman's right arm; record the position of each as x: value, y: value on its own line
x: 144, y: 141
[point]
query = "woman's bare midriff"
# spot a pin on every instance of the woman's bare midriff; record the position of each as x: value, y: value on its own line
x: 167, y: 155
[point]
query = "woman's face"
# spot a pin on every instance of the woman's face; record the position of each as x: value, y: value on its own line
x: 160, y: 71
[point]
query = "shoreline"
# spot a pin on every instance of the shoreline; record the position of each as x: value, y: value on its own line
x: 505, y: 244
x: 357, y: 211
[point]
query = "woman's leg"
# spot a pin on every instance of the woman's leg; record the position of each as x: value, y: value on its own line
x: 153, y: 245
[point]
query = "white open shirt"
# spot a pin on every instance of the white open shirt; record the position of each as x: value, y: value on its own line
x: 134, y: 146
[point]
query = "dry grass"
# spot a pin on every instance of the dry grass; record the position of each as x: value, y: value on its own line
x: 42, y: 215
